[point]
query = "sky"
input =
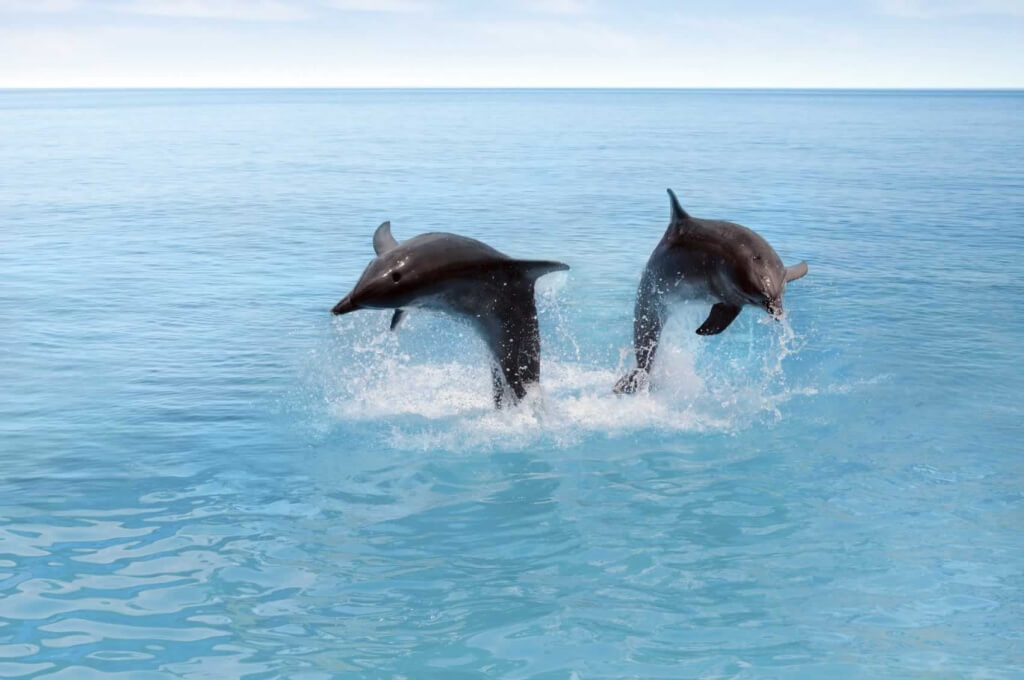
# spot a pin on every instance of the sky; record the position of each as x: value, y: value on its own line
x: 515, y: 43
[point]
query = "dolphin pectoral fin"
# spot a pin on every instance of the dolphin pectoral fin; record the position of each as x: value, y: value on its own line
x: 796, y: 271
x: 383, y: 241
x: 722, y: 314
x: 396, y: 318
x: 632, y: 382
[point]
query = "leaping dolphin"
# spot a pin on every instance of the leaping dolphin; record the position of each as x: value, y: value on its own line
x: 703, y: 259
x: 467, y: 278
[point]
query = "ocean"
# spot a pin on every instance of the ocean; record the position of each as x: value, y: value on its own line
x: 206, y: 475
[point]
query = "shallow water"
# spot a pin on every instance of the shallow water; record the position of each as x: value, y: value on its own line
x: 208, y: 476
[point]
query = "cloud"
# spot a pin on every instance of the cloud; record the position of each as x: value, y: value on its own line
x: 49, y: 6
x: 568, y: 7
x: 556, y: 36
x: 379, y: 5
x: 244, y: 10
x: 933, y: 9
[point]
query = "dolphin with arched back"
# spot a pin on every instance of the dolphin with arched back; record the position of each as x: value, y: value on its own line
x: 469, y: 279
x: 719, y: 261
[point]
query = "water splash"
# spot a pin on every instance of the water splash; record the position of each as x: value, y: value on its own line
x: 409, y: 389
x: 550, y: 302
x: 784, y: 343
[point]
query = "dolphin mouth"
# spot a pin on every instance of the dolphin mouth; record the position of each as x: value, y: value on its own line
x: 775, y: 310
x: 344, y: 306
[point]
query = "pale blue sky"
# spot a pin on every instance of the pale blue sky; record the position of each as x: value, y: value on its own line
x: 517, y: 43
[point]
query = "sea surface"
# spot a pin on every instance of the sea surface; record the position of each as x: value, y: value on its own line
x: 203, y: 474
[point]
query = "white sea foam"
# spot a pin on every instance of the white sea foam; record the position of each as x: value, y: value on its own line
x: 423, y: 399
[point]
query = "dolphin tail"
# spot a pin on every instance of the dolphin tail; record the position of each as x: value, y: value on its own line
x: 796, y: 271
x: 632, y: 382
x: 502, y: 392
x: 512, y: 334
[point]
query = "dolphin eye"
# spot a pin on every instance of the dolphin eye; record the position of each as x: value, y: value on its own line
x: 396, y: 276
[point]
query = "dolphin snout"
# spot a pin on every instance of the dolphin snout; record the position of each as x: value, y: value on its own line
x: 774, y: 308
x: 344, y: 306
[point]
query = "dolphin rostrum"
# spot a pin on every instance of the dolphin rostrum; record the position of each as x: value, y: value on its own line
x: 703, y: 259
x: 469, y: 279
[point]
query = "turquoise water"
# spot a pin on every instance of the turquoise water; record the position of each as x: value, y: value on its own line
x: 205, y: 475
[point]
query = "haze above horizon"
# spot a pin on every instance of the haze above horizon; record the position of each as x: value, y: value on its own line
x: 739, y: 44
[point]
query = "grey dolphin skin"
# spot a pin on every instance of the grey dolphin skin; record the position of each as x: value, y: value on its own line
x: 469, y: 279
x: 714, y: 260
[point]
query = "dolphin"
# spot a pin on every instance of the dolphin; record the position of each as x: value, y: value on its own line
x: 469, y: 279
x: 723, y: 262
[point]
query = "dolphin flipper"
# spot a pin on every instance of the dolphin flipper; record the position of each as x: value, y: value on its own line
x: 796, y: 271
x: 396, y: 318
x: 722, y: 314
x: 383, y: 241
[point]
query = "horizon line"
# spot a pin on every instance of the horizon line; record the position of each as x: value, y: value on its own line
x: 1017, y: 88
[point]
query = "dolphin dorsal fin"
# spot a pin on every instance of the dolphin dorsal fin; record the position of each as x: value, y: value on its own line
x: 678, y: 214
x: 383, y: 241
x: 534, y: 269
x: 796, y: 271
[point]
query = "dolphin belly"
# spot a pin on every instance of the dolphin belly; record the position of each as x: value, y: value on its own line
x: 670, y: 277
